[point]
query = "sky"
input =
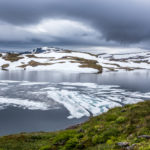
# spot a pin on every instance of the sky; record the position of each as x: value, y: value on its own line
x: 74, y: 23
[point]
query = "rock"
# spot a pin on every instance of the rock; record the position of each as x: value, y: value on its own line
x: 123, y: 144
x: 81, y: 131
x: 144, y: 136
x: 131, y: 147
x: 123, y: 110
x: 138, y: 126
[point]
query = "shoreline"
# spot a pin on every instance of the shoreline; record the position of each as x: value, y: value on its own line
x: 115, y: 122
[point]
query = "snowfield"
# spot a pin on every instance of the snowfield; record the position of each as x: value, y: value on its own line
x: 80, y: 62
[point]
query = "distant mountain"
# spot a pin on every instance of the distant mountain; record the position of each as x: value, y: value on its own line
x: 46, y: 49
x: 34, y: 51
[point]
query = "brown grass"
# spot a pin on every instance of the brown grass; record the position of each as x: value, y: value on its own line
x: 143, y: 61
x: 129, y: 68
x: 34, y: 64
x: 12, y: 57
x: 85, y: 63
x: 120, y: 60
x: 61, y: 62
x: 31, y: 56
x: 112, y: 64
x: 70, y: 51
x: 4, y: 66
x: 110, y: 68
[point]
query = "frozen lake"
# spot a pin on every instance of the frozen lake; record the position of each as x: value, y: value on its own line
x: 49, y: 101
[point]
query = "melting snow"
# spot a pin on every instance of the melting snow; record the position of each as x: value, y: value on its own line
x: 80, y: 99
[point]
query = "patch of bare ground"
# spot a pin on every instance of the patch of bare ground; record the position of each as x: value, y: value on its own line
x: 120, y: 60
x: 123, y: 68
x: 84, y: 63
x: 12, y: 57
x: 70, y: 51
x: 130, y: 68
x: 127, y: 68
x: 111, y: 69
x: 4, y: 66
x: 31, y: 56
x: 61, y: 62
x: 142, y: 61
x: 34, y: 64
x: 112, y: 64
x: 65, y: 51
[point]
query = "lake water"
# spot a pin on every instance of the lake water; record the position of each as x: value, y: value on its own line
x: 49, y: 101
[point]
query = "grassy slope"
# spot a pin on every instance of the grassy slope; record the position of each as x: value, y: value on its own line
x: 121, y: 124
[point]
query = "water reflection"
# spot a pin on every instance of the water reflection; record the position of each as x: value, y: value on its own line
x: 134, y: 80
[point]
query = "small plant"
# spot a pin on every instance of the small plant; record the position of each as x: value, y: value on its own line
x: 95, y: 139
x: 111, y: 117
x: 71, y: 144
x: 47, y: 147
x: 121, y: 119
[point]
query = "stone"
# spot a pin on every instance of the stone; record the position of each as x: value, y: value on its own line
x: 131, y: 147
x: 144, y: 136
x: 123, y: 144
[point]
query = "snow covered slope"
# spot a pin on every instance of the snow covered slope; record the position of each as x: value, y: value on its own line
x: 65, y: 60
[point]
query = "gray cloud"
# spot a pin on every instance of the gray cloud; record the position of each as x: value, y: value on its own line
x: 117, y: 22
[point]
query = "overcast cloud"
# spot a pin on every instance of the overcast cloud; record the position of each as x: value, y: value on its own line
x: 32, y: 23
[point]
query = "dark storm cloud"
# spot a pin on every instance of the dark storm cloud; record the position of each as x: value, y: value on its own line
x: 121, y: 21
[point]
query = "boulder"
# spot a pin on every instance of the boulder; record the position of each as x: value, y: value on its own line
x: 123, y: 144
x: 144, y: 136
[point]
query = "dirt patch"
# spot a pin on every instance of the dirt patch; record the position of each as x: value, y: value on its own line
x: 120, y: 60
x: 142, y: 61
x: 31, y: 56
x: 85, y: 63
x: 12, y: 57
x: 117, y: 65
x: 110, y: 69
x: 71, y: 51
x: 61, y: 62
x: 129, y: 68
x: 34, y: 64
x: 4, y: 66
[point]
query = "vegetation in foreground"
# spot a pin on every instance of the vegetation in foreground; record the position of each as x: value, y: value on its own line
x: 121, y: 128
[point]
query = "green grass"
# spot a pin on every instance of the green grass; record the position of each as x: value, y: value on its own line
x: 121, y: 124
